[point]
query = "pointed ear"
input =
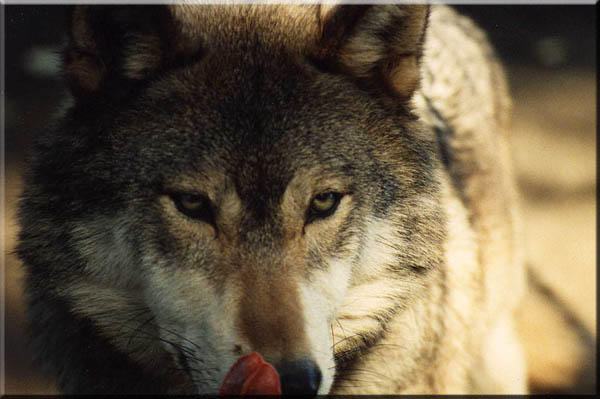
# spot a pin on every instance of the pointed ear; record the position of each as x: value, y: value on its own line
x: 112, y: 47
x: 379, y: 45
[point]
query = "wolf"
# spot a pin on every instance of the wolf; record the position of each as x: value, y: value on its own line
x: 326, y: 185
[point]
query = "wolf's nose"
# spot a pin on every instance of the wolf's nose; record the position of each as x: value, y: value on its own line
x: 299, y: 377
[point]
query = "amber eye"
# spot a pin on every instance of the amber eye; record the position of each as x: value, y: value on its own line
x: 194, y: 206
x: 323, y: 205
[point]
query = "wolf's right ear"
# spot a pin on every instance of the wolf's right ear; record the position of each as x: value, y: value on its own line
x: 112, y: 47
x: 379, y: 45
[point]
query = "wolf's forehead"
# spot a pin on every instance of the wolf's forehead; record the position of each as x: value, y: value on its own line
x: 261, y: 166
x: 285, y: 25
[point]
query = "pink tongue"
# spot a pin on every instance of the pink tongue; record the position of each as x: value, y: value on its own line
x: 251, y: 375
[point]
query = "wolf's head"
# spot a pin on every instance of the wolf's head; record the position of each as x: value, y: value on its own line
x: 230, y: 180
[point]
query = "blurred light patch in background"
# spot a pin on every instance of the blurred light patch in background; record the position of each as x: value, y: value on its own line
x: 43, y: 62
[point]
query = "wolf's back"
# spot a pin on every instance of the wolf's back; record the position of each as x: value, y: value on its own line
x: 465, y: 97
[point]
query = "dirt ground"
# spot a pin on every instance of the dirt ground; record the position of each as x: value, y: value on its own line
x: 555, y: 156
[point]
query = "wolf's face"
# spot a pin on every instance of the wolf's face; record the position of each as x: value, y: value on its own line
x: 249, y: 201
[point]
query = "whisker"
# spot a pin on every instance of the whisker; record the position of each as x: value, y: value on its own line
x: 347, y: 338
x: 370, y: 372
x: 181, y: 337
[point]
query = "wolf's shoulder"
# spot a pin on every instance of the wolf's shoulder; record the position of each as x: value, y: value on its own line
x: 462, y: 77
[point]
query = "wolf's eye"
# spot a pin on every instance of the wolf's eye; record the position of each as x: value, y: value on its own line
x: 323, y: 205
x: 194, y: 206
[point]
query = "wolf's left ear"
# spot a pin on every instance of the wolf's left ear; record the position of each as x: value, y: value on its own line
x: 379, y: 45
x: 112, y: 47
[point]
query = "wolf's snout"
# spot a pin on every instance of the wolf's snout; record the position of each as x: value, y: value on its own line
x: 299, y: 377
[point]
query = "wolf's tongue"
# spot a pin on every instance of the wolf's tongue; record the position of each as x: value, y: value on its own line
x: 251, y: 375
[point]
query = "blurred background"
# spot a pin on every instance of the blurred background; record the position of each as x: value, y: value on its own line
x: 550, y: 56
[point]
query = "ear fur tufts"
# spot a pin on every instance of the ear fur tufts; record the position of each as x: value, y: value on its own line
x: 380, y: 46
x: 111, y: 46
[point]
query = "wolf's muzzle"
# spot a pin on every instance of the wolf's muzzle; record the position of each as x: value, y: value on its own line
x: 299, y: 377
